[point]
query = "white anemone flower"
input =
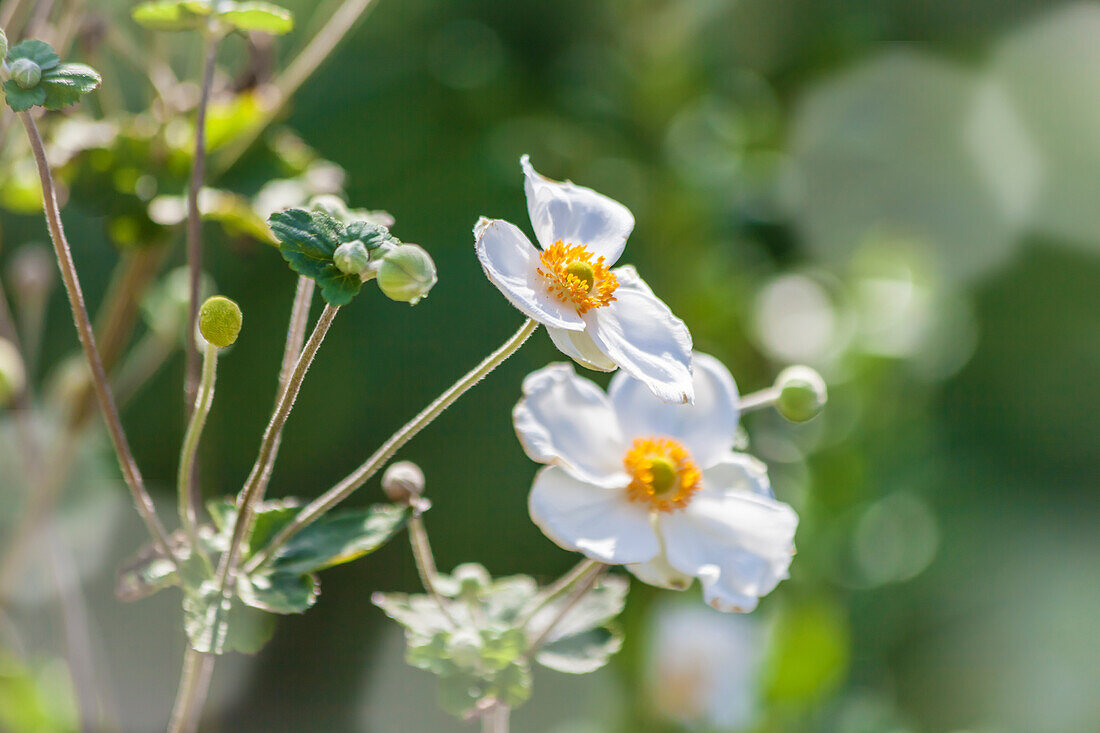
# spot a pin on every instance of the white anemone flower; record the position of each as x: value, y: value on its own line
x: 656, y: 487
x: 600, y: 317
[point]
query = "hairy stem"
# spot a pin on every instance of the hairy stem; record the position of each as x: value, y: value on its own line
x: 186, y: 485
x: 132, y: 475
x: 425, y: 563
x: 587, y: 583
x: 194, y: 220
x: 319, y: 506
x: 296, y: 331
x: 191, y: 696
x: 560, y: 587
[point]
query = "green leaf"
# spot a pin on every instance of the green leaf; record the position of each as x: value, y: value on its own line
x: 512, y: 685
x: 216, y: 624
x: 67, y: 83
x: 279, y: 592
x: 20, y: 99
x: 307, y: 240
x: 598, y: 607
x: 419, y: 613
x: 39, y: 52
x: 36, y: 700
x: 459, y: 694
x: 501, y: 648
x: 581, y: 653
x: 171, y: 15
x: 269, y: 518
x: 340, y: 537
x: 259, y: 16
x: 149, y: 571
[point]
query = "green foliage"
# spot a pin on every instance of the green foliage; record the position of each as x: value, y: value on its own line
x: 340, y: 537
x: 59, y: 86
x: 216, y: 624
x: 33, y: 701
x: 810, y: 653
x: 479, y: 642
x: 308, y: 241
x: 186, y: 15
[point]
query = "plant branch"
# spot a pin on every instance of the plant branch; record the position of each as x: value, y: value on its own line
x: 758, y: 400
x: 319, y: 506
x: 187, y: 487
x: 425, y: 562
x: 191, y: 696
x: 130, y: 471
x: 579, y: 592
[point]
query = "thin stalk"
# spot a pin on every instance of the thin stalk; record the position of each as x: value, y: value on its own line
x: 579, y: 592
x: 130, y: 471
x: 317, y: 508
x: 194, y: 219
x: 299, y: 71
x: 296, y: 331
x: 759, y: 400
x: 496, y: 719
x: 560, y: 587
x: 425, y: 563
x: 191, y: 696
x: 186, y: 486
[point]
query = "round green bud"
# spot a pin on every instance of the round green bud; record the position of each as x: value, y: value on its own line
x: 802, y: 393
x: 403, y: 482
x: 351, y: 258
x: 26, y: 73
x: 12, y: 376
x: 220, y: 321
x: 406, y: 274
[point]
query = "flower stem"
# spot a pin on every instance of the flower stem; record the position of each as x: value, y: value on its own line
x: 580, y: 590
x: 496, y: 719
x: 759, y: 400
x: 130, y: 471
x: 560, y: 587
x: 187, y: 487
x: 191, y: 696
x: 296, y: 331
x: 194, y: 220
x: 317, y: 508
x: 425, y: 563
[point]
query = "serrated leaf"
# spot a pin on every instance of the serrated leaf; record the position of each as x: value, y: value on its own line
x: 170, y: 15
x: 67, y: 83
x: 279, y: 592
x: 20, y: 99
x: 419, y: 613
x: 307, y: 241
x: 259, y: 16
x: 340, y: 537
x: 216, y: 624
x: 581, y: 653
x: 39, y: 52
x: 598, y: 607
x: 507, y: 598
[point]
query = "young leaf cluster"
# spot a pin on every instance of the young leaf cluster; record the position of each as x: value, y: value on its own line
x: 186, y: 15
x: 243, y: 620
x: 479, y: 640
x: 55, y: 86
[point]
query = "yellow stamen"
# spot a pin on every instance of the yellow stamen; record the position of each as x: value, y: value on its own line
x: 573, y: 277
x: 662, y: 473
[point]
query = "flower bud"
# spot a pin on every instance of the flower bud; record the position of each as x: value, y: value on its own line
x: 403, y: 482
x: 351, y: 258
x: 406, y: 274
x: 12, y: 376
x: 26, y: 73
x: 220, y: 321
x: 802, y: 393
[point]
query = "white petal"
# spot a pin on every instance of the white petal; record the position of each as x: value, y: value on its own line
x: 579, y: 347
x: 659, y: 573
x: 739, y: 545
x: 640, y: 334
x: 567, y: 420
x: 708, y: 427
x: 602, y: 523
x: 510, y: 262
x: 575, y: 215
x: 738, y: 472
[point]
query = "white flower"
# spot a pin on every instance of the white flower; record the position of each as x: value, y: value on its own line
x: 601, y: 318
x: 656, y: 487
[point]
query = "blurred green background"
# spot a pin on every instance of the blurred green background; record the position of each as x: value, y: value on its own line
x: 904, y: 195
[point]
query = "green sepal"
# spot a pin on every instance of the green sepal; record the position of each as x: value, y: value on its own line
x: 216, y: 624
x: 307, y: 241
x: 340, y: 537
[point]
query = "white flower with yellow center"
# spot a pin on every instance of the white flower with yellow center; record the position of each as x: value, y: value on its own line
x: 602, y: 318
x: 657, y: 487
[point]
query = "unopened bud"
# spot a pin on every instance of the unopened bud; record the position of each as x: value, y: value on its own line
x: 12, y: 376
x: 351, y: 258
x: 407, y: 274
x: 802, y: 393
x: 220, y: 321
x: 403, y: 482
x: 26, y: 73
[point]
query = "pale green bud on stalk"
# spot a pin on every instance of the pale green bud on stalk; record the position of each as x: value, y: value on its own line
x: 403, y: 482
x: 220, y: 321
x: 407, y: 273
x: 26, y: 73
x: 12, y: 376
x: 802, y: 393
x: 351, y: 258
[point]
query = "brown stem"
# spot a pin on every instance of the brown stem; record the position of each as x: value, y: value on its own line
x: 130, y: 472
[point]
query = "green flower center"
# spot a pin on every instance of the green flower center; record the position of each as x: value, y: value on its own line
x: 583, y: 272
